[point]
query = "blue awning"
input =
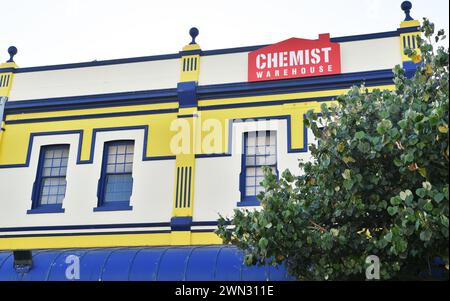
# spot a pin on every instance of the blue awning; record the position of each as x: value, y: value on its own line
x: 190, y: 263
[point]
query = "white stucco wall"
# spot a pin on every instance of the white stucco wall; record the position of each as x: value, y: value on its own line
x: 152, y: 75
x: 217, y: 179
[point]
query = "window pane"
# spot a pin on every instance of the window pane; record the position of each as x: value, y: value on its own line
x: 250, y: 181
x: 120, y: 158
x: 262, y: 137
x: 53, y: 172
x: 49, y: 154
x: 260, y: 160
x: 112, y: 150
x: 121, y: 149
x: 129, y: 167
x: 250, y: 161
x: 48, y: 162
x: 110, y: 168
x: 259, y: 189
x: 251, y: 139
x: 250, y: 191
x: 259, y: 171
x: 120, y: 168
x: 250, y: 171
x: 259, y: 180
x: 251, y: 150
x: 118, y: 188
x: 271, y: 160
x: 129, y: 159
x: 130, y: 149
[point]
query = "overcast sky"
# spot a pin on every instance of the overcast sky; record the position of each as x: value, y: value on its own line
x: 50, y: 32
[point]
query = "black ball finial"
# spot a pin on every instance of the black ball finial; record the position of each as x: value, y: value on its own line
x: 193, y: 32
x: 406, y: 7
x: 12, y: 50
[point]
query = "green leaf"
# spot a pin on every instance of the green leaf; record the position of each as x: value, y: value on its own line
x: 360, y: 135
x: 263, y: 242
x: 438, y: 197
x: 346, y: 174
x: 392, y: 210
x: 388, y: 237
x: 428, y: 206
x: 403, y: 123
x: 396, y: 200
x: 348, y: 184
x: 421, y: 192
x: 425, y: 235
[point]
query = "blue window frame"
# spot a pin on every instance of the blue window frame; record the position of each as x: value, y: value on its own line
x: 259, y: 149
x: 50, y: 186
x: 116, y: 180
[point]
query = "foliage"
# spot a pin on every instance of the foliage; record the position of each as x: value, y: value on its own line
x: 377, y: 183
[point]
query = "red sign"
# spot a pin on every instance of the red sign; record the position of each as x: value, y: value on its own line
x: 294, y: 58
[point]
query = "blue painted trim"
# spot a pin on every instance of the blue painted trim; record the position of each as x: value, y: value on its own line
x: 99, y: 63
x: 187, y: 94
x: 87, y: 233
x: 249, y: 202
x: 181, y: 223
x: 214, y: 155
x: 240, y: 89
x: 310, y: 84
x: 187, y: 116
x: 113, y: 206
x: 86, y: 227
x: 92, y: 116
x: 264, y: 103
x: 408, y: 29
x: 410, y: 68
x: 54, y: 208
x: 191, y: 52
x: 120, y: 206
x: 82, y: 101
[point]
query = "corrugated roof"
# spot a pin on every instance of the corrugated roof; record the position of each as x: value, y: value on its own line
x: 175, y: 263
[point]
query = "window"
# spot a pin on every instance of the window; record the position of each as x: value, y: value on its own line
x: 50, y: 185
x: 116, y: 181
x: 260, y: 149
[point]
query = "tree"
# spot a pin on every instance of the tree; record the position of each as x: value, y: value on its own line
x: 377, y: 184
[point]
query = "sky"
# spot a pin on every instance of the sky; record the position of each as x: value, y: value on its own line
x: 48, y: 32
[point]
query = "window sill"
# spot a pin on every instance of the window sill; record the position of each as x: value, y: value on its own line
x: 249, y: 202
x: 113, y: 207
x: 46, y: 209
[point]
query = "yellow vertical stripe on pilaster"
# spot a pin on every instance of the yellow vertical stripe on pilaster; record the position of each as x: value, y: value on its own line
x: 190, y: 64
x: 183, y: 195
x: 406, y: 39
x: 6, y: 79
x: 190, y: 68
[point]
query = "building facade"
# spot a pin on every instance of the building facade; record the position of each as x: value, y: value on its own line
x: 116, y: 159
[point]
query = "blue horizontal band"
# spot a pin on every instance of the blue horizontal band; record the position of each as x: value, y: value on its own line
x: 102, y: 226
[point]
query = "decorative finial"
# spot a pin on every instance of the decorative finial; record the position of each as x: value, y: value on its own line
x: 12, y: 50
x: 406, y: 7
x: 193, y: 32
